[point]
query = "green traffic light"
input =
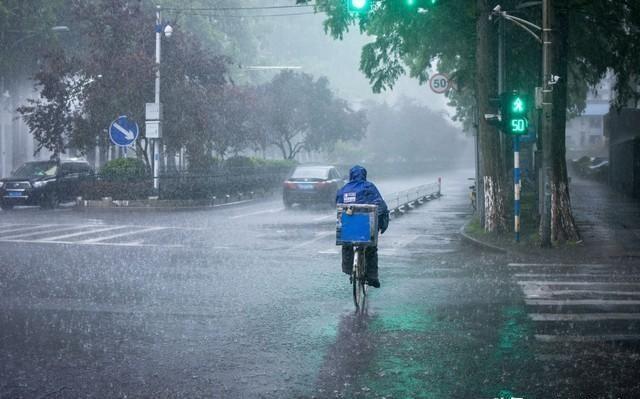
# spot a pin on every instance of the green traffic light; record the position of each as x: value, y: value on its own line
x: 358, y: 4
x: 513, y: 112
x: 410, y: 3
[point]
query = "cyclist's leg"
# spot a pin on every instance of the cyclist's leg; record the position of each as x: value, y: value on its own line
x: 371, y: 256
x: 347, y: 259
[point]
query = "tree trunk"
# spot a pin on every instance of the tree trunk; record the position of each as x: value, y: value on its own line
x: 563, y: 226
x: 491, y: 162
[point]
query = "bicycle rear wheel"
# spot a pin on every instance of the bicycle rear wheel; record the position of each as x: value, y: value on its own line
x: 358, y: 279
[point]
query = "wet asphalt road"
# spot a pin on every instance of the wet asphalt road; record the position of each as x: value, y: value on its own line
x: 247, y: 301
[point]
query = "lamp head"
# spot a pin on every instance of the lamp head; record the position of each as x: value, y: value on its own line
x: 168, y: 30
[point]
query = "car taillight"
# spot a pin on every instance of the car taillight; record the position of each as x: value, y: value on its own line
x: 289, y: 184
x: 321, y: 184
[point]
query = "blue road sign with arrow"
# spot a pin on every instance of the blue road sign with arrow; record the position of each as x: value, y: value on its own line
x: 123, y: 131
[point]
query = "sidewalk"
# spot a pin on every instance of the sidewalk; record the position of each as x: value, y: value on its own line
x: 609, y: 221
x: 609, y: 224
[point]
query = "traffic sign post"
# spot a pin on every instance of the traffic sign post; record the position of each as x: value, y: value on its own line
x: 123, y: 132
x: 439, y: 83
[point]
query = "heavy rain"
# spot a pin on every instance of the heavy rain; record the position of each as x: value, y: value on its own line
x: 319, y: 199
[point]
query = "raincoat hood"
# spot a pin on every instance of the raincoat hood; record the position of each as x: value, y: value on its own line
x: 358, y: 173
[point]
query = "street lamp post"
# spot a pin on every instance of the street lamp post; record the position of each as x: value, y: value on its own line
x: 547, y: 103
x: 153, y: 125
x: 547, y: 108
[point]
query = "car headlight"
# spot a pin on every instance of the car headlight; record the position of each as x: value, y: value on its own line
x: 1, y: 184
x: 42, y: 183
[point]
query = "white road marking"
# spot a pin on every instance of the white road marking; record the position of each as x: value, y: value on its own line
x: 583, y: 316
x: 46, y: 231
x: 557, y: 282
x: 104, y: 244
x: 332, y: 251
x: 581, y: 302
x: 555, y: 265
x: 549, y: 293
x: 99, y: 239
x: 320, y: 219
x: 232, y: 203
x: 244, y: 215
x: 587, y: 338
x: 318, y: 237
x: 599, y: 275
x: 100, y: 230
x: 27, y: 227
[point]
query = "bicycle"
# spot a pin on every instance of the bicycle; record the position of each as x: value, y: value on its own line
x: 357, y: 226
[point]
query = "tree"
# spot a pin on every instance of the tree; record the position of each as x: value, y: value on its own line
x: 302, y: 114
x: 25, y: 32
x: 51, y: 117
x: 456, y: 35
x: 114, y: 75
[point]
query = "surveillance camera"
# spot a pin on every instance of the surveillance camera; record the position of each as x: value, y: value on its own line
x: 554, y: 80
x: 497, y: 9
x: 168, y: 31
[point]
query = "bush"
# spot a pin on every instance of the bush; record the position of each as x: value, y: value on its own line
x: 124, y: 169
x: 240, y: 162
x: 118, y: 190
x: 204, y: 165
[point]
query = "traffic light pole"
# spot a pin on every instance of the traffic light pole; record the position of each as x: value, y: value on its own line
x: 516, y: 186
x: 547, y: 109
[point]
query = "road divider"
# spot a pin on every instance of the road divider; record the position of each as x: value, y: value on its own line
x: 404, y: 201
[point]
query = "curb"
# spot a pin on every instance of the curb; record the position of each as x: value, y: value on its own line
x: 155, y: 204
x: 477, y: 243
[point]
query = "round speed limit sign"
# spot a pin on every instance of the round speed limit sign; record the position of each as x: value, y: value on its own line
x: 439, y: 83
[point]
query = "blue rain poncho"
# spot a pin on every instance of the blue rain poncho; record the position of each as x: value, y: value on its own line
x: 361, y: 191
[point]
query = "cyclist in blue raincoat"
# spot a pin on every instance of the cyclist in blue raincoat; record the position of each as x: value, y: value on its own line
x: 360, y: 191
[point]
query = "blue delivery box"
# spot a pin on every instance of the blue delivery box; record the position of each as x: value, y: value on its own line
x: 357, y: 224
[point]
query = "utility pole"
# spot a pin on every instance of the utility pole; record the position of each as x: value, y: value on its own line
x: 156, y: 142
x: 153, y: 111
x: 547, y: 109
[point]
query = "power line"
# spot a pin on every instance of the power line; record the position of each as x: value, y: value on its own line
x: 236, y: 8
x: 204, y: 14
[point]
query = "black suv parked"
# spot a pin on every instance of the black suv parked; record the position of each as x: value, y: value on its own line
x: 44, y: 183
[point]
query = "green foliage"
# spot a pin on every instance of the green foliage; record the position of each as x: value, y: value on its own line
x: 124, y: 169
x: 51, y: 117
x: 25, y: 32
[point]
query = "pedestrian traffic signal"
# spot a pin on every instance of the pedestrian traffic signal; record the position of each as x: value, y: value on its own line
x: 358, y: 6
x: 513, y: 111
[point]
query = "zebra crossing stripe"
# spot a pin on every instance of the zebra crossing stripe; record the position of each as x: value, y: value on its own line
x: 581, y: 302
x: 555, y: 265
x: 583, y: 316
x: 586, y: 338
x: 594, y: 275
x: 536, y: 293
x: 557, y: 282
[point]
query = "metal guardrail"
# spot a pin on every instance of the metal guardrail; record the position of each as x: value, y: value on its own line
x: 402, y: 201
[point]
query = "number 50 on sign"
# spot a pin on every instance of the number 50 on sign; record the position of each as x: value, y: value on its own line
x: 439, y: 83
